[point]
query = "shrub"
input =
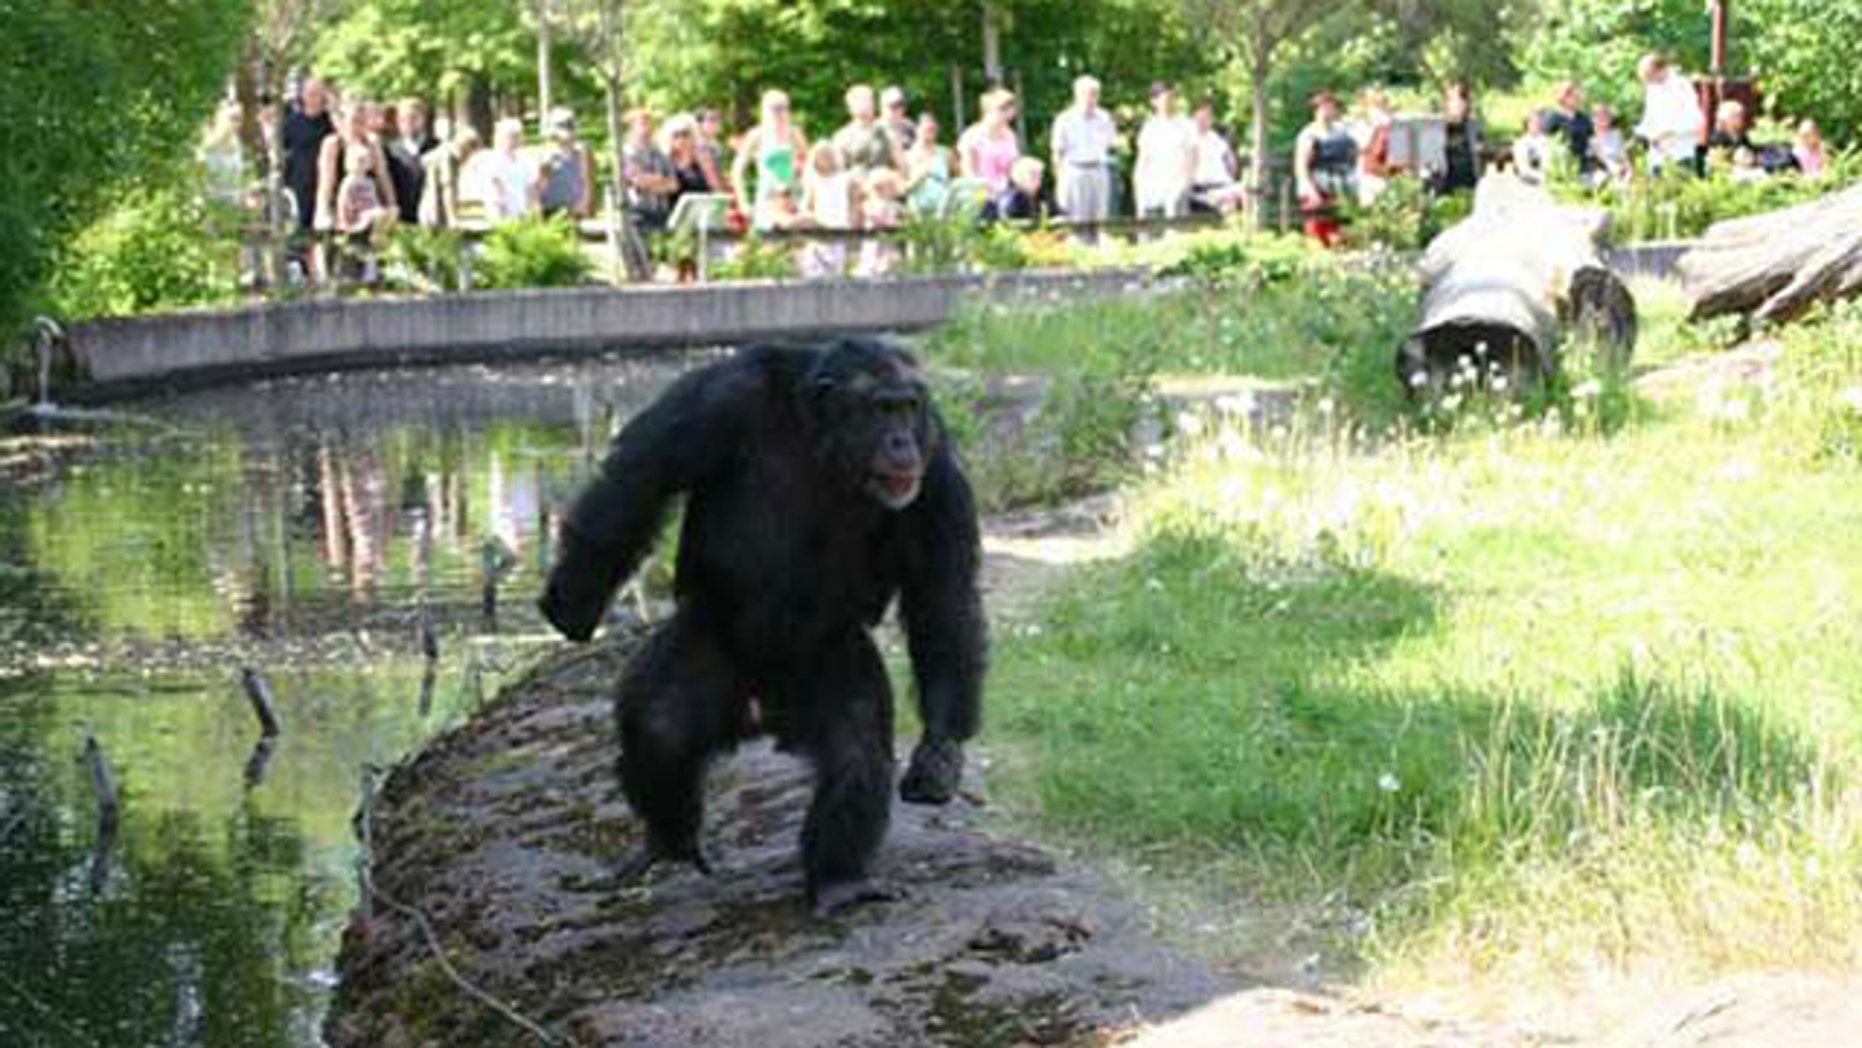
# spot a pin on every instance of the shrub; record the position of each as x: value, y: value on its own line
x: 157, y: 249
x: 757, y: 259
x: 430, y: 259
x: 533, y: 253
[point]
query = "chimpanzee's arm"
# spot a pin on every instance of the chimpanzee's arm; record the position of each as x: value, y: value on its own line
x: 693, y: 429
x: 944, y: 627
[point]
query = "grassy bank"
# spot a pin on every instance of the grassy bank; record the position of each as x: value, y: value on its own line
x: 1515, y: 704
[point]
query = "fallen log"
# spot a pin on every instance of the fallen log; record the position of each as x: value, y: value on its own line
x: 1772, y: 268
x: 1508, y: 287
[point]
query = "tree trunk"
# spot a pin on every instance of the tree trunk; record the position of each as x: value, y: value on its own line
x: 1259, y: 71
x: 1504, y: 289
x: 626, y: 248
x: 543, y: 66
x: 1774, y: 267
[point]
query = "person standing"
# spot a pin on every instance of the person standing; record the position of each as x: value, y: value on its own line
x: 565, y: 171
x: 1166, y: 166
x: 1672, y: 120
x: 306, y: 124
x: 505, y: 180
x: 709, y: 141
x: 1083, y: 137
x: 1463, y: 141
x: 1217, y: 186
x: 357, y: 132
x: 864, y: 143
x: 989, y: 148
x: 1374, y: 168
x: 1570, y: 124
x: 406, y: 156
x: 777, y: 149
x: 897, y: 119
x: 1325, y: 165
x: 651, y: 179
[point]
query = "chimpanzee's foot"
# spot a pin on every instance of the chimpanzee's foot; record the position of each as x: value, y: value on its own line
x: 637, y: 865
x: 935, y: 772
x: 830, y: 899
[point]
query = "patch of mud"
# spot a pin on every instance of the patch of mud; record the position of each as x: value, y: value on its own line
x: 503, y: 833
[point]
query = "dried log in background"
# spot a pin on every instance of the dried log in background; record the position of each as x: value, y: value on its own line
x: 1774, y: 267
x: 1506, y: 288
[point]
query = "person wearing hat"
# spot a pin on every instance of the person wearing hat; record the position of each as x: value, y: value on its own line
x: 897, y: 120
x: 1166, y: 167
x: 564, y: 169
x: 1082, y: 145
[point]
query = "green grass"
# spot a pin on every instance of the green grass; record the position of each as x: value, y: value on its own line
x: 1537, y: 697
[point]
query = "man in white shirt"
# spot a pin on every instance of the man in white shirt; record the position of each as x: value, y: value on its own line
x: 1082, y: 140
x: 1166, y: 164
x: 1672, y: 121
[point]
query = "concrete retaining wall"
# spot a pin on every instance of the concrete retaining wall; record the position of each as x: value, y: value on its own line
x: 114, y: 358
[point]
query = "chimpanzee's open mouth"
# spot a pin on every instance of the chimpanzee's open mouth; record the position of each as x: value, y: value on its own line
x: 895, y: 490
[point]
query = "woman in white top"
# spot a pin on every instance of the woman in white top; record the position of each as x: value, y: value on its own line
x: 1166, y: 166
x: 1216, y: 186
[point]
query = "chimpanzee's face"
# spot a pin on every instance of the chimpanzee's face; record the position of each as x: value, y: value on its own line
x: 875, y: 415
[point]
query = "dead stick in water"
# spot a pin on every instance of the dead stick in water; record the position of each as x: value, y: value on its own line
x: 108, y: 804
x: 260, y: 694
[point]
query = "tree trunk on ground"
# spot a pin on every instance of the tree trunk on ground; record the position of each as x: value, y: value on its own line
x: 1774, y: 267
x: 1505, y: 289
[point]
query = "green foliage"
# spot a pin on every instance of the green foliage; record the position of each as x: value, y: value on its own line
x: 1406, y: 216
x: 433, y: 260
x: 1598, y: 42
x: 534, y: 252
x: 159, y: 249
x: 754, y: 258
x: 1804, y: 53
x: 1680, y: 205
x: 390, y: 48
x: 96, y: 92
x: 959, y: 244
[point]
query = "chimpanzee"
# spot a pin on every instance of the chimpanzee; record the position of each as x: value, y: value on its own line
x: 818, y: 484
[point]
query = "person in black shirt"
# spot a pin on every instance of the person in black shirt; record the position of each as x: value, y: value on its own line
x: 1572, y: 125
x: 1463, y: 145
x: 1022, y: 201
x: 306, y: 124
x: 410, y: 142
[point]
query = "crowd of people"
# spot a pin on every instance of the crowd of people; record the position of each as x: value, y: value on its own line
x: 1339, y: 162
x: 356, y: 169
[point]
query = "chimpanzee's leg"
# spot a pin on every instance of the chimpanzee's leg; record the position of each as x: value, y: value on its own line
x: 679, y: 703
x: 843, y: 723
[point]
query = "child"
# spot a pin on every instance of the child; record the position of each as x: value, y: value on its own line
x: 884, y: 209
x: 828, y: 194
x: 1532, y: 151
x: 360, y: 216
x: 1609, y: 148
x: 1022, y: 202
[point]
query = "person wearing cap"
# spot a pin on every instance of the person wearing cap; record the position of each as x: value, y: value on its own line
x: 1083, y: 137
x: 565, y: 172
x: 897, y: 120
x: 1166, y: 166
x: 864, y: 143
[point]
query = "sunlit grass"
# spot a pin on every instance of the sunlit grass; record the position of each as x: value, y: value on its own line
x: 1539, y: 698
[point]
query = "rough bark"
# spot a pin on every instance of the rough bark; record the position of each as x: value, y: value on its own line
x: 1772, y: 268
x: 1506, y: 289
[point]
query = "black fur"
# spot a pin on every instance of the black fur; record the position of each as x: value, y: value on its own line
x: 792, y: 462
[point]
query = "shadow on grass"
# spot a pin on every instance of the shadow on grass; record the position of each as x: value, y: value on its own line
x: 1201, y: 695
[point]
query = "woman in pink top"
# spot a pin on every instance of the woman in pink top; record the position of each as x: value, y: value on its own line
x: 1808, y: 149
x: 989, y: 148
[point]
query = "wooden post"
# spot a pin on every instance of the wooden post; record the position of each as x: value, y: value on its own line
x: 103, y: 780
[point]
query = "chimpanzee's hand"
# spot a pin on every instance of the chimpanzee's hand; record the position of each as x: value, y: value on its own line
x: 576, y: 598
x: 935, y: 771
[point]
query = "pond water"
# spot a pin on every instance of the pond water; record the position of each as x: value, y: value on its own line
x: 306, y: 528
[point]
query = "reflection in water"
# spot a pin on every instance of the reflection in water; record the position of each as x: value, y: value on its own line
x: 319, y: 530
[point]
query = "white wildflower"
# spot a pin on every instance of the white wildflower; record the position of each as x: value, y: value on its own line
x: 1389, y: 783
x: 1189, y: 423
x: 1588, y: 389
x: 1851, y: 398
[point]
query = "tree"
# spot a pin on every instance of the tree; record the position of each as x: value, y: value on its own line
x: 99, y: 95
x: 1255, y: 32
x: 1803, y: 53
